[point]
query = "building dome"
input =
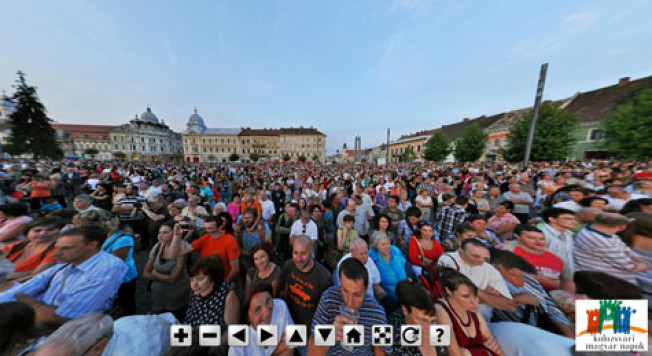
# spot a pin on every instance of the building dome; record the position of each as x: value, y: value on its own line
x: 196, y: 123
x: 148, y: 116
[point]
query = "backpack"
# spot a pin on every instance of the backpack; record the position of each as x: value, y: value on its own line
x: 430, y: 278
x: 19, y: 247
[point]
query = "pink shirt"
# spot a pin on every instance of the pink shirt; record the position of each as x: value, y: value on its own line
x: 496, y: 223
x: 21, y: 220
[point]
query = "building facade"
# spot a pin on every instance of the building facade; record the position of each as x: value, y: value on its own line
x: 203, y: 144
x: 262, y: 142
x: 414, y: 142
x: 80, y: 140
x: 306, y: 142
x: 145, y: 138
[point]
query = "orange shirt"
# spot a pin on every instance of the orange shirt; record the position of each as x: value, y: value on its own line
x: 226, y: 246
x: 255, y: 205
x: 30, y: 263
x: 40, y: 190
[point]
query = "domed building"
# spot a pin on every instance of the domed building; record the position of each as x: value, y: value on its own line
x: 203, y: 144
x: 146, y: 138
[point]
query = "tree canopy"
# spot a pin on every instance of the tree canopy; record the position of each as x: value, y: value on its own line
x: 31, y: 129
x: 470, y: 144
x: 628, y: 129
x: 553, y: 135
x: 437, y: 148
x: 408, y: 155
x: 254, y: 156
x: 234, y: 157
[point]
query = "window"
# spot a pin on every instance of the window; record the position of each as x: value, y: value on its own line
x: 497, y: 142
x: 596, y: 135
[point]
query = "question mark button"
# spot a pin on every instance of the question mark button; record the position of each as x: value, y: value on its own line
x: 440, y: 335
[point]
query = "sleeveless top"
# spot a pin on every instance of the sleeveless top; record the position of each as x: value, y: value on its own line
x: 209, y: 309
x: 475, y: 344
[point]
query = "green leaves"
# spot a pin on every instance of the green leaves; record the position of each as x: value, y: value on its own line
x: 437, y: 148
x: 470, y: 144
x: 553, y: 135
x: 628, y: 129
x: 31, y: 129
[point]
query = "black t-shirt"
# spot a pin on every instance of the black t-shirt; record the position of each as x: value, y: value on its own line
x: 302, y: 291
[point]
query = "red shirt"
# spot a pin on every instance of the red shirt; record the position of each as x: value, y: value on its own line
x: 414, y: 252
x: 226, y: 246
x: 546, y: 263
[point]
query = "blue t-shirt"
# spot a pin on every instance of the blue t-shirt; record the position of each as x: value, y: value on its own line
x: 390, y: 273
x: 123, y: 240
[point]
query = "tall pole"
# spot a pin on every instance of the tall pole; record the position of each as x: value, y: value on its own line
x: 387, y: 150
x: 537, y: 104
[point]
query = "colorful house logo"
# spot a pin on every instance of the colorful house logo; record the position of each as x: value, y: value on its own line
x: 611, y: 325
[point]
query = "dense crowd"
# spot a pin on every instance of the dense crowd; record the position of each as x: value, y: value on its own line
x: 498, y: 252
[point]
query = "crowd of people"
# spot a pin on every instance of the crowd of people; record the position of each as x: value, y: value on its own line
x: 511, y: 248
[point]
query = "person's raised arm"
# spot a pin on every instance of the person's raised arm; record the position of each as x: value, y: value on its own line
x: 231, y: 312
x: 175, y: 249
x: 235, y: 269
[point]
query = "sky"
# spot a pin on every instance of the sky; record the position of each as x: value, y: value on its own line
x: 348, y: 68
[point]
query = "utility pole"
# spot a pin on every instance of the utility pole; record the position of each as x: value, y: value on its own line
x: 387, y: 150
x: 537, y: 104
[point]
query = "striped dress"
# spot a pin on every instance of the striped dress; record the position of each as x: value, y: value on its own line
x: 596, y: 251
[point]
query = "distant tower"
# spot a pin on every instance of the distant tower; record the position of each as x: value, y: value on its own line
x: 357, y: 147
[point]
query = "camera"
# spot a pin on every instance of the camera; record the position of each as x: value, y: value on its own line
x: 138, y: 205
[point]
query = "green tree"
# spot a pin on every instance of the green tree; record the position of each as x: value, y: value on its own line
x: 31, y: 129
x: 553, y: 135
x: 211, y: 158
x: 234, y: 157
x: 302, y: 159
x: 91, y: 152
x: 286, y: 157
x: 408, y: 155
x: 315, y: 158
x: 437, y: 148
x: 628, y: 129
x: 254, y: 157
x: 470, y: 144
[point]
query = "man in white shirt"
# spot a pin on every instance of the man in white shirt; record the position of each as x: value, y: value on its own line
x: 558, y: 233
x: 360, y: 251
x: 618, y: 197
x: 305, y: 226
x: 471, y: 259
x: 267, y: 205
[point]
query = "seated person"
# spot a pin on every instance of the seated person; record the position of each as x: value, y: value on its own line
x: 530, y: 244
x: 36, y: 254
x: 360, y: 251
x: 423, y: 248
x: 263, y: 309
x: 479, y: 223
x: 98, y: 334
x: 338, y: 303
x: 391, y: 266
x: 472, y: 260
x: 470, y: 333
x: 416, y: 308
x: 87, y: 276
x: 13, y: 218
x: 527, y: 292
x: 503, y: 221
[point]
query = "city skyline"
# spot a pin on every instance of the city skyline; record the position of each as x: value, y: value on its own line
x: 345, y: 68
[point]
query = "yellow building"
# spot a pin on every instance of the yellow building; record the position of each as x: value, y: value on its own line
x: 307, y: 142
x: 415, y: 141
x: 202, y: 144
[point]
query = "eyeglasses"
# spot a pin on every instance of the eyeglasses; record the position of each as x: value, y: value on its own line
x: 303, y: 230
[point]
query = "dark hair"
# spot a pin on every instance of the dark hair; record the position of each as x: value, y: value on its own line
x: 65, y: 214
x: 507, y: 204
x: 381, y: 216
x: 586, y: 202
x: 264, y: 246
x: 411, y: 295
x: 210, y: 266
x: 50, y: 221
x: 640, y: 225
x: 463, y: 227
x: 634, y: 205
x: 90, y: 233
x: 354, y: 270
x: 395, y: 197
x: 17, y: 320
x: 461, y: 199
x: 226, y: 219
x: 553, y: 212
x: 474, y: 242
x: 473, y: 218
x: 525, y: 227
x: 452, y: 279
x: 14, y: 209
x: 412, y: 211
x: 348, y: 218
x: 511, y: 260
x: 313, y: 207
x: 600, y: 285
x: 251, y: 211
x: 260, y: 288
x: 447, y: 196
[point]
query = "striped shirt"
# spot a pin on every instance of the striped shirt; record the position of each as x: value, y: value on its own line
x: 596, y: 251
x: 533, y: 287
x: 75, y: 290
x: 561, y: 244
x: 371, y: 313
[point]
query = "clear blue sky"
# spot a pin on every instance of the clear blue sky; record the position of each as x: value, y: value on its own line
x: 345, y: 67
